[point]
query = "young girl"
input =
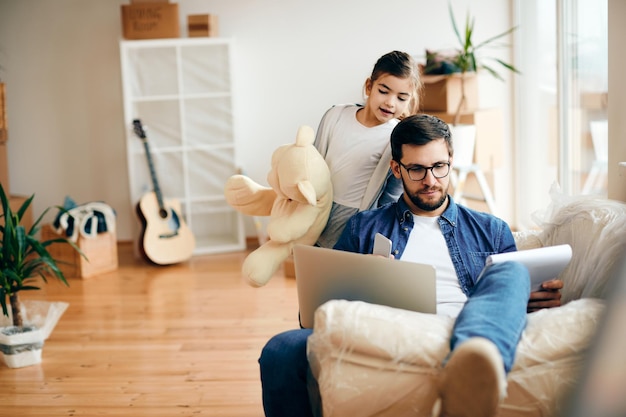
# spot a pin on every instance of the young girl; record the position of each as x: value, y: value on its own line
x: 354, y: 141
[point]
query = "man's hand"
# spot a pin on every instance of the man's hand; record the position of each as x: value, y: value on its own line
x: 547, y: 297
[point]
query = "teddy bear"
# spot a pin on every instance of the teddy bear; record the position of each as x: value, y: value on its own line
x: 298, y: 203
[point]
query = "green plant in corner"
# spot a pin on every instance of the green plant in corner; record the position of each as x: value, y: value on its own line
x: 23, y: 257
x: 466, y: 59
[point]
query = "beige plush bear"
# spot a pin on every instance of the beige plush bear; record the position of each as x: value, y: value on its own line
x: 298, y: 203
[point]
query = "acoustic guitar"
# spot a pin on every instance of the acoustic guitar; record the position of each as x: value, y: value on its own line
x: 165, y: 238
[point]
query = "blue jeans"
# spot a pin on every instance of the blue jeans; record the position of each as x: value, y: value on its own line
x: 284, y: 368
x: 496, y: 310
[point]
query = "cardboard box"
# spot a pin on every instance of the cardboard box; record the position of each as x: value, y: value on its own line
x: 199, y: 25
x: 442, y: 93
x: 289, y: 268
x: 150, y: 21
x: 101, y: 253
x: 4, y: 127
x: 4, y: 168
x: 472, y: 194
x: 489, y: 151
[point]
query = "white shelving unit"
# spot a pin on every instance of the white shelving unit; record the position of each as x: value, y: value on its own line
x: 181, y: 90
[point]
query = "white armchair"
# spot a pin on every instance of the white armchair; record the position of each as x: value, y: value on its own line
x: 372, y: 360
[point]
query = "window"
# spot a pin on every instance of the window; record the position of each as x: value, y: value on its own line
x: 561, y: 101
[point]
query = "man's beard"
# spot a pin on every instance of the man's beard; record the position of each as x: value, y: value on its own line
x: 417, y: 200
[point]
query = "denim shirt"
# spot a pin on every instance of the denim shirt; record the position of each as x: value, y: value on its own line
x: 390, y: 191
x: 470, y: 235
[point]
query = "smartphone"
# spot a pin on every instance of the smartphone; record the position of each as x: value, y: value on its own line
x: 382, y: 246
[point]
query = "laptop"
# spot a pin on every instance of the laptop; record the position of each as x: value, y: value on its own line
x: 325, y: 274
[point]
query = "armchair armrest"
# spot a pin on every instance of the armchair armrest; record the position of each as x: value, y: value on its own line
x: 372, y: 360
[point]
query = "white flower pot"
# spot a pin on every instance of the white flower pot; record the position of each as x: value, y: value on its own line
x: 464, y: 141
x: 21, y: 347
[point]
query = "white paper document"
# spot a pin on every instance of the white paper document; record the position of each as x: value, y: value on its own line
x: 543, y: 264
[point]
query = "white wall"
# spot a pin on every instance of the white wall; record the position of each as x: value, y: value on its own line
x: 293, y: 59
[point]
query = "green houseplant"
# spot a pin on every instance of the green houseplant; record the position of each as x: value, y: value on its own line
x: 466, y: 59
x: 23, y: 259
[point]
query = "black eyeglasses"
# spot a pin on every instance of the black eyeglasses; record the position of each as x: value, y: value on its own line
x: 418, y: 173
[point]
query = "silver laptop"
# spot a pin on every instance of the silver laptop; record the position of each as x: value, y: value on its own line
x: 326, y: 274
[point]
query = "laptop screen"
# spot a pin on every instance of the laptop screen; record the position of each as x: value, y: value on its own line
x: 325, y: 274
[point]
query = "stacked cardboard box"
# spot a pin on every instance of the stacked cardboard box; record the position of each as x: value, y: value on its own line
x: 442, y: 93
x: 489, y: 132
x: 15, y: 202
x: 4, y: 168
x: 152, y: 19
x: 199, y: 25
x: 3, y: 115
x: 441, y: 97
x: 289, y: 267
x: 4, y: 134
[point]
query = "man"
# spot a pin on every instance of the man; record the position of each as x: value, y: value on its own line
x: 427, y: 226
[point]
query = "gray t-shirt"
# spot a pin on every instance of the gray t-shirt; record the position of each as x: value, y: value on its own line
x: 382, y: 186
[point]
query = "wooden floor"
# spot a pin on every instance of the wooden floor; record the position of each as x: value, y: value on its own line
x: 154, y: 341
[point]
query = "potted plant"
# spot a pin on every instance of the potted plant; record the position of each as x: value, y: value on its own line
x: 463, y: 63
x: 23, y: 259
x: 466, y: 59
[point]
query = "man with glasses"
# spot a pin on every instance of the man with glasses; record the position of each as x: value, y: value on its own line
x: 427, y: 226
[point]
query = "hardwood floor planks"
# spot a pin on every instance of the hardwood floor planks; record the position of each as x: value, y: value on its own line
x: 143, y: 340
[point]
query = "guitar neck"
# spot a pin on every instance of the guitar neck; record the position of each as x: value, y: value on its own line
x: 153, y: 176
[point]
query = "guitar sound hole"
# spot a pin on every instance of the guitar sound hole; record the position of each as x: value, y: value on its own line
x: 163, y: 213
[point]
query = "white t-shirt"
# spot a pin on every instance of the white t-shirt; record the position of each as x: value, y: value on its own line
x: 352, y: 156
x: 427, y: 245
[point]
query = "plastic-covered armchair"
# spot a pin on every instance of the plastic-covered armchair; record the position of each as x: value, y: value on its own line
x: 372, y: 360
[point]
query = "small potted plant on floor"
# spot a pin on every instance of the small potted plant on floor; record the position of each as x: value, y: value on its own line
x: 23, y: 260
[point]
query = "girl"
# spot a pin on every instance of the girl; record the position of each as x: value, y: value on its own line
x: 354, y: 141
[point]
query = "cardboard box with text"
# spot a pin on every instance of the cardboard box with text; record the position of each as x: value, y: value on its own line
x: 150, y: 21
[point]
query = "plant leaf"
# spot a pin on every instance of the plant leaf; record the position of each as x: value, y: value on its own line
x: 24, y: 207
x: 492, y: 72
x: 22, y: 256
x: 3, y: 301
x: 456, y: 30
x: 493, y: 38
x: 507, y: 66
